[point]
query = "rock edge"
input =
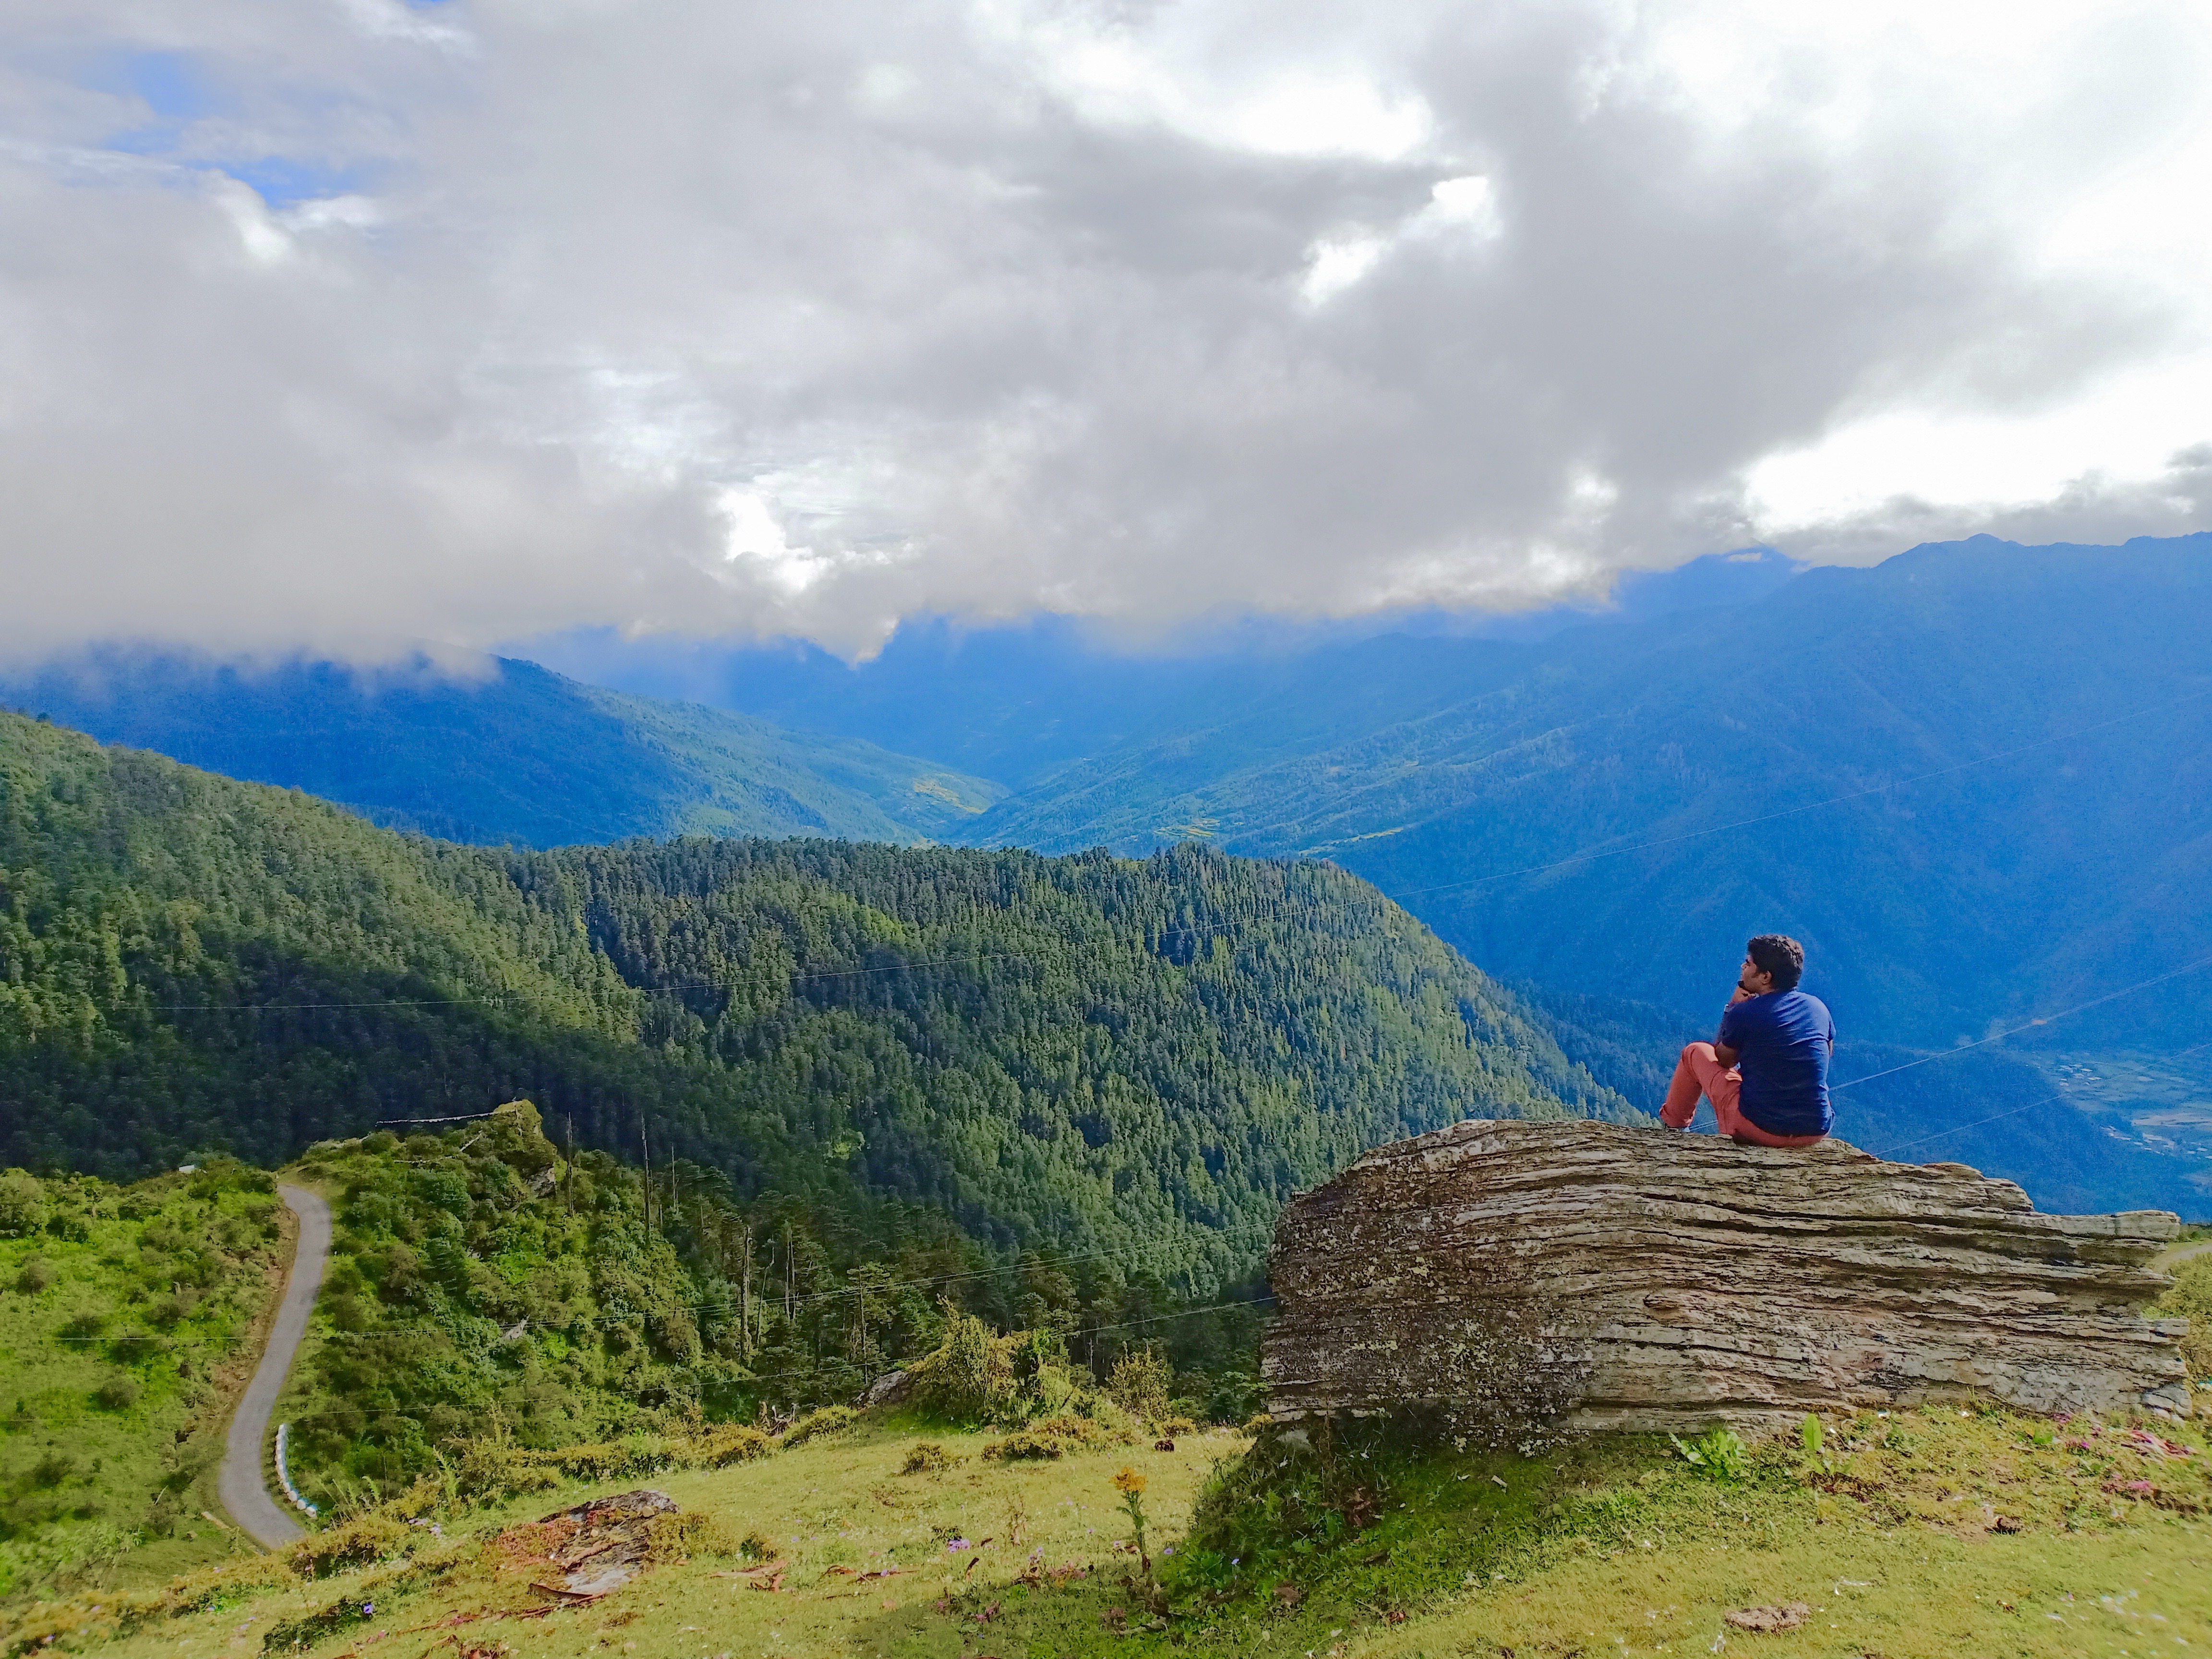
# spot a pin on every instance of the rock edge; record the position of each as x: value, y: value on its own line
x: 1619, y: 1279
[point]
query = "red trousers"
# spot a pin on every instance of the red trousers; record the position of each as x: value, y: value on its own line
x: 1699, y: 1072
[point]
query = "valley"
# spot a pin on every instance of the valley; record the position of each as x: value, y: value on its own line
x: 1886, y: 762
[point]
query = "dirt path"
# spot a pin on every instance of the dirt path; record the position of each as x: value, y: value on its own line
x: 2167, y: 1261
x: 244, y: 1491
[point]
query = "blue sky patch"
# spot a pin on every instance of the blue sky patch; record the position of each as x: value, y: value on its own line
x: 282, y: 180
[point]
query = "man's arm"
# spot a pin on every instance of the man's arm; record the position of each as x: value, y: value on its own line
x: 1722, y: 1052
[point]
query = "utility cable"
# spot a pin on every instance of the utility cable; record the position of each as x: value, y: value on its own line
x: 2047, y: 1019
x: 2047, y: 1100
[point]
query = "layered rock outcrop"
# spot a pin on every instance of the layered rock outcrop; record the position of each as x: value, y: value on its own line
x: 1624, y: 1279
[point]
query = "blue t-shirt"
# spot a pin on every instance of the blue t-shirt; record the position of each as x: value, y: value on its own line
x: 1783, y: 1041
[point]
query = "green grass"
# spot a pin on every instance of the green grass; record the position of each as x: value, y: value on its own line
x: 123, y: 1313
x: 1598, y: 1548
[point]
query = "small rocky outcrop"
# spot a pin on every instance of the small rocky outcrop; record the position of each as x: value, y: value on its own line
x: 598, y: 1546
x: 1501, y: 1275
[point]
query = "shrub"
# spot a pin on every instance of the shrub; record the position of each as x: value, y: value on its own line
x: 52, y: 1469
x: 119, y: 1393
x: 676, y: 1336
x: 1140, y: 1385
x: 168, y: 1310
x: 378, y: 1534
x: 1233, y: 1397
x: 672, y: 1540
x: 494, y: 1467
x: 823, y: 1421
x: 927, y: 1457
x: 36, y: 1275
x: 756, y: 1545
x: 22, y: 1203
x: 968, y: 1377
x: 732, y: 1442
x: 1055, y: 1436
x: 2192, y: 1298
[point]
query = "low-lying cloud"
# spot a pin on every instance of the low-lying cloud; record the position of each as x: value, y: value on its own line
x: 336, y: 328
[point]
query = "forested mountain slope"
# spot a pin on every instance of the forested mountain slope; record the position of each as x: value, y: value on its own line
x: 519, y: 755
x: 2020, y: 737
x: 1093, y: 1051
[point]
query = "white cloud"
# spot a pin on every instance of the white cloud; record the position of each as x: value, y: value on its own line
x: 1334, y: 266
x: 344, y: 327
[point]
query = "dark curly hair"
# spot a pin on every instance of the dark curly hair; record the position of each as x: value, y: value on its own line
x: 1780, y: 955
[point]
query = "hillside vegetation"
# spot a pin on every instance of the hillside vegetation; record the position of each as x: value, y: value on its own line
x: 1094, y: 1053
x: 127, y: 1316
x: 485, y: 1293
x: 1917, y: 1532
x: 516, y: 755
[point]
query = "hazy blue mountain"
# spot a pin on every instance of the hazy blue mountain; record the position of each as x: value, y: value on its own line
x: 2060, y: 697
x: 523, y: 755
x: 1015, y: 702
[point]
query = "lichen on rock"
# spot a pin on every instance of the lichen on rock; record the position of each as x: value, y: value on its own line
x: 1599, y: 1277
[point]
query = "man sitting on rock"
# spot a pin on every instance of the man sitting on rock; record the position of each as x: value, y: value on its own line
x: 1766, y: 1072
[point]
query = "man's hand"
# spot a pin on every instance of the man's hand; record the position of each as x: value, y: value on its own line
x: 1742, y: 995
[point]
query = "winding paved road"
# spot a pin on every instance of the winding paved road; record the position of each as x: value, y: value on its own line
x: 244, y: 1489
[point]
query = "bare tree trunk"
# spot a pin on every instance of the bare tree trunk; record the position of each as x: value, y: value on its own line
x: 745, y: 1298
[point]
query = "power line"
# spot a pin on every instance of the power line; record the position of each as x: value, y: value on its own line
x: 1180, y: 1313
x: 2047, y: 1019
x: 2047, y: 1100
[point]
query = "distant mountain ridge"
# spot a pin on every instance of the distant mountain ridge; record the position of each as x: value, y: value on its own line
x: 1017, y: 701
x: 1977, y: 779
x: 1878, y: 760
x: 522, y: 755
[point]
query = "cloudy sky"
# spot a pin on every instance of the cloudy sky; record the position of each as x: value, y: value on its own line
x: 338, y: 324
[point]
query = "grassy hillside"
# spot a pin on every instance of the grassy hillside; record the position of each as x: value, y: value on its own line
x: 483, y: 1285
x: 1887, y: 1537
x: 1088, y: 1053
x: 503, y: 1330
x: 128, y: 1318
x: 522, y: 755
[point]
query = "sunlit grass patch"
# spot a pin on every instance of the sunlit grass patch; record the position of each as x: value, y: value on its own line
x: 1925, y: 1532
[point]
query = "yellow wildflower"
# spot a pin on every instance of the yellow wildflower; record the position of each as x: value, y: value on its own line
x: 1129, y: 1481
